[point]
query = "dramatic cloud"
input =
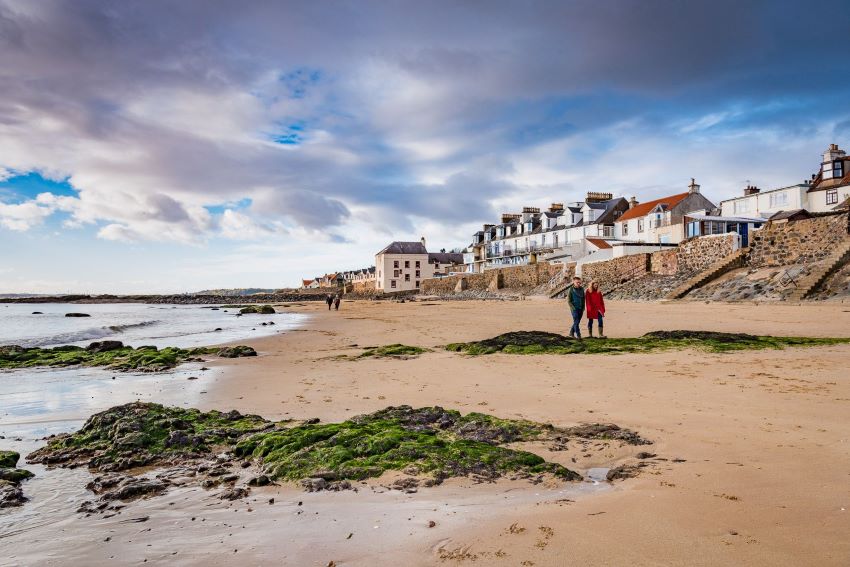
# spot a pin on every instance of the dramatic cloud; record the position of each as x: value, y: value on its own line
x: 347, y: 122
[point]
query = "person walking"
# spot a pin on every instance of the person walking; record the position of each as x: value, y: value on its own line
x: 575, y: 299
x: 337, y: 300
x: 329, y: 300
x: 595, y: 308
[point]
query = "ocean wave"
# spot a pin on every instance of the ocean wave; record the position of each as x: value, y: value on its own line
x: 122, y: 328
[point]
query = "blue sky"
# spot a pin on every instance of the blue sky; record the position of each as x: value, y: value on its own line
x: 161, y: 146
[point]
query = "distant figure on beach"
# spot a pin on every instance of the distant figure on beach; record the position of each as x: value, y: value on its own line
x: 329, y: 300
x: 337, y: 299
x: 595, y: 308
x: 575, y: 299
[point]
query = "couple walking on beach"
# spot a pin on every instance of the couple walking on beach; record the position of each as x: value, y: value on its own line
x: 333, y: 301
x: 581, y: 300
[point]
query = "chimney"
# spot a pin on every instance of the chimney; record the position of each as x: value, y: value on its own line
x: 693, y: 187
x: 633, y: 202
x: 596, y: 197
x: 508, y: 217
x: 422, y: 240
x: 751, y: 190
x: 530, y: 210
x: 556, y: 207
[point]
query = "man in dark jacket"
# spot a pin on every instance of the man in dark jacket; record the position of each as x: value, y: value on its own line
x: 575, y: 299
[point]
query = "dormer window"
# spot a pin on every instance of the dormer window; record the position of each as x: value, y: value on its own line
x: 833, y: 170
x: 528, y: 226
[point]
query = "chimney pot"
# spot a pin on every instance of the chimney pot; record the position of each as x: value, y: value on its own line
x: 633, y: 202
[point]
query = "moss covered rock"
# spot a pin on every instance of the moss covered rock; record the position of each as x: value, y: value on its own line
x: 9, y: 459
x: 393, y: 351
x: 539, y: 342
x: 112, y: 355
x: 258, y: 309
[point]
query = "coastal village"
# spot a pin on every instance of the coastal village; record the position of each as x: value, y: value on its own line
x: 674, y: 244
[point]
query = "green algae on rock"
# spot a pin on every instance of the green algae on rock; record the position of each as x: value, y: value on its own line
x: 259, y: 309
x: 113, y: 355
x: 539, y: 342
x: 9, y: 459
x: 140, y: 434
x: 393, y: 351
x: 431, y: 441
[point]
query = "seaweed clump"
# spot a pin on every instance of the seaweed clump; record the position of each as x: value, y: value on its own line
x: 433, y: 441
x: 113, y: 355
x: 539, y: 342
x: 393, y: 351
x: 142, y: 434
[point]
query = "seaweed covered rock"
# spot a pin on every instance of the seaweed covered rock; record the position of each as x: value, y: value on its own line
x: 113, y: 355
x: 9, y: 459
x: 539, y: 342
x: 237, y: 351
x: 140, y: 434
x: 438, y: 442
x: 393, y: 351
x: 258, y: 309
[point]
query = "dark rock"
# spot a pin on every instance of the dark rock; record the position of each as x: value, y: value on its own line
x: 9, y: 459
x: 77, y: 315
x: 136, y: 488
x: 37, y: 313
x: 237, y: 351
x: 645, y: 455
x: 621, y: 472
x: 104, y: 346
x: 234, y: 493
x: 11, y: 495
x: 314, y: 484
x: 15, y: 476
x: 261, y: 480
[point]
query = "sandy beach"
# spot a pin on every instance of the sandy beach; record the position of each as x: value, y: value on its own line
x: 753, y: 448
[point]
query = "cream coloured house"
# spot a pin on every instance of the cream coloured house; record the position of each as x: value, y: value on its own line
x: 402, y: 266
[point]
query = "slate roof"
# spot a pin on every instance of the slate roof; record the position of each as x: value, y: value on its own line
x: 405, y: 248
x: 445, y: 258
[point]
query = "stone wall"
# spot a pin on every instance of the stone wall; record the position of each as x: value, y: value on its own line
x: 664, y: 262
x: 361, y: 289
x: 798, y: 242
x: 610, y: 273
x: 697, y: 254
x: 513, y: 278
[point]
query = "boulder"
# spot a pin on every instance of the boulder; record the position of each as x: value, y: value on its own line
x: 237, y: 351
x: 104, y: 346
x: 77, y: 315
x: 9, y: 459
x: 11, y: 495
x: 15, y: 476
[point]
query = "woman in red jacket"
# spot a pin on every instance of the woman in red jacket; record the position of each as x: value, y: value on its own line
x: 595, y: 306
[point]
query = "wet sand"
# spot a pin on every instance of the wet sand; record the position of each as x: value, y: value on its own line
x: 764, y: 435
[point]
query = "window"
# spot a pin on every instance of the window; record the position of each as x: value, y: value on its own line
x: 396, y: 273
x: 741, y: 206
x: 407, y: 277
x: 625, y: 229
x: 838, y: 169
x: 407, y: 263
x: 417, y: 283
x: 417, y: 263
x: 555, y: 238
x: 392, y: 283
x: 778, y: 199
x: 395, y: 263
x: 417, y: 273
x: 832, y: 196
x: 640, y: 225
x: 528, y: 226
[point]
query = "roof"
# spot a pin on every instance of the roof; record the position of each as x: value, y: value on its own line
x: 445, y: 257
x: 599, y: 243
x: 721, y: 218
x: 405, y: 248
x: 845, y: 204
x: 782, y: 215
x: 643, y: 209
x: 307, y: 282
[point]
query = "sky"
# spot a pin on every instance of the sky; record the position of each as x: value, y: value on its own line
x: 168, y: 146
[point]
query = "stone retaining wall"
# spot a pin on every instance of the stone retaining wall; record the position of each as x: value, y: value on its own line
x: 697, y: 254
x: 799, y: 242
x: 610, y: 273
x: 665, y: 262
x: 513, y: 278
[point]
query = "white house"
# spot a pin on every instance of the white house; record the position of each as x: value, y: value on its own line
x: 830, y: 187
x: 661, y: 220
x: 757, y: 203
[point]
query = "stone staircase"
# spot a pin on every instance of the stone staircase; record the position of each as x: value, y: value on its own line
x: 810, y: 283
x: 734, y: 260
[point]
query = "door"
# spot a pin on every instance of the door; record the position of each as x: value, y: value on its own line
x: 743, y: 230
